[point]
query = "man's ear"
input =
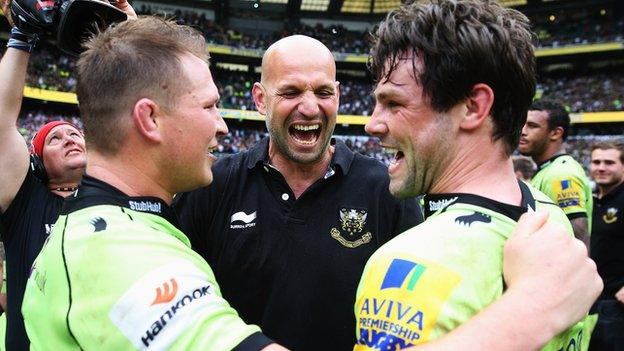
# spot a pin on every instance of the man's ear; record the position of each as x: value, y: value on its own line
x: 478, y: 106
x: 338, y: 90
x: 259, y: 97
x: 146, y: 117
x: 556, y: 133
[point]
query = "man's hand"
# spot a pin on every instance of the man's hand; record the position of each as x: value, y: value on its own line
x: 6, y: 9
x: 552, y: 270
x: 124, y: 6
x: 620, y: 295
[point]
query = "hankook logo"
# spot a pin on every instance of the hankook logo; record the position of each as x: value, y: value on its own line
x: 244, y: 220
x: 166, y: 292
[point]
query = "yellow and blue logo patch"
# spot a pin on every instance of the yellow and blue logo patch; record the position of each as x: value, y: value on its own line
x: 399, y: 302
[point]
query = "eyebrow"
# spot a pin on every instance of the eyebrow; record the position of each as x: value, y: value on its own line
x: 388, y: 92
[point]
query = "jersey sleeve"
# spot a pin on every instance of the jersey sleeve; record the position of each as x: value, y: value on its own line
x: 408, y: 297
x: 151, y: 291
x: 567, y: 192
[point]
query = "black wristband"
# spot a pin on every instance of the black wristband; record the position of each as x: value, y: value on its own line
x: 22, y: 41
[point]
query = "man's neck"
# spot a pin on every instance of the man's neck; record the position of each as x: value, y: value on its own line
x: 300, y: 176
x: 121, y: 173
x: 481, y: 169
x: 67, y: 186
x: 551, y: 151
x: 604, y: 190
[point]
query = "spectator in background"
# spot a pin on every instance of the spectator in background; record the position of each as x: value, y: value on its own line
x: 558, y: 175
x: 30, y: 200
x: 33, y: 186
x: 607, y: 243
x: 524, y: 168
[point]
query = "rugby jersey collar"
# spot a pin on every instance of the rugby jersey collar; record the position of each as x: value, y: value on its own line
x: 93, y: 192
x: 259, y: 155
x: 440, y: 202
x: 544, y: 164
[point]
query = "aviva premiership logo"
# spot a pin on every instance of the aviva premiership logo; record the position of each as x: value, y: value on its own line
x: 610, y: 216
x: 400, y: 271
x: 352, y: 223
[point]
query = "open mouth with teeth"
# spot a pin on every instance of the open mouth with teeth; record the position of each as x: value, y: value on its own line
x: 398, y: 154
x: 305, y: 134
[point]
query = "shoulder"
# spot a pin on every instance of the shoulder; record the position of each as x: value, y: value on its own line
x: 369, y: 167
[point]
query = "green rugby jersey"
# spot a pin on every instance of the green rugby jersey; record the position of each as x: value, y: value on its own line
x: 434, y: 277
x: 563, y: 180
x: 116, y: 274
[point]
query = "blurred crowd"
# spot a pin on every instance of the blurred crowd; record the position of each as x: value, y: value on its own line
x: 242, y: 138
x: 237, y: 139
x: 587, y: 93
x: 570, y: 27
x: 51, y: 70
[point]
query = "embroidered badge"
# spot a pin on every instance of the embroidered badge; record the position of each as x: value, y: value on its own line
x: 352, y: 223
x: 610, y: 216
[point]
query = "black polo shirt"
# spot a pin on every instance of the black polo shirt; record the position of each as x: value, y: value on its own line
x: 607, y: 240
x: 292, y: 266
x: 26, y: 224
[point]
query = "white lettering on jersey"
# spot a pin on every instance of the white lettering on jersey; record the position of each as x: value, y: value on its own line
x: 49, y: 228
x: 160, y: 306
x: 247, y: 219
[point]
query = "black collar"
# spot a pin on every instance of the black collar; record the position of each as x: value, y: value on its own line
x: 543, y: 165
x: 435, y: 202
x: 259, y: 155
x: 93, y: 192
x: 613, y: 193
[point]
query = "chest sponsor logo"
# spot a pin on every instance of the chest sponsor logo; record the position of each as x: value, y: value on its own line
x: 438, y: 204
x: 241, y: 220
x: 159, y: 307
x: 145, y: 206
x: 610, y: 216
x: 399, y: 305
x: 352, y: 223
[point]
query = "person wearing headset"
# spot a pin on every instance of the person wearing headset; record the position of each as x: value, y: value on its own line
x: 35, y: 181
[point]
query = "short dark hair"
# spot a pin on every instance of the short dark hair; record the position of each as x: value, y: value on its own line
x: 524, y: 165
x: 557, y: 114
x: 462, y: 43
x: 128, y: 61
x: 610, y: 144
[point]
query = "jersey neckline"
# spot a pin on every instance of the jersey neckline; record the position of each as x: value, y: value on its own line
x: 435, y: 203
x: 544, y: 164
x: 94, y: 192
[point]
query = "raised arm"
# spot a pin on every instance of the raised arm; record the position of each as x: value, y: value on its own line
x: 14, y: 159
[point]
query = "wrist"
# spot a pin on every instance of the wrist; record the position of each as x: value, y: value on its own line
x: 21, y: 40
x: 530, y: 316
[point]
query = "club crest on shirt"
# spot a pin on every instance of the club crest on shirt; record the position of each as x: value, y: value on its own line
x: 352, y: 223
x: 610, y: 216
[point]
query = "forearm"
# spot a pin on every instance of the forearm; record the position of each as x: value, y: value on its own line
x: 510, y: 323
x: 13, y: 75
x: 580, y: 226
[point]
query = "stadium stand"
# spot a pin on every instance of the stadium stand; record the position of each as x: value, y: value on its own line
x: 581, y: 90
